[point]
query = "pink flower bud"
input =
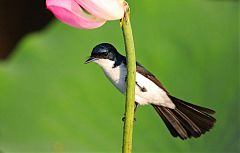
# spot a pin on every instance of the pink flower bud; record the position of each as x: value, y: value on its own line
x: 86, y: 14
x: 105, y: 9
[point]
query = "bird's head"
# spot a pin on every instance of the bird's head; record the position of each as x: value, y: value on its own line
x: 103, y: 52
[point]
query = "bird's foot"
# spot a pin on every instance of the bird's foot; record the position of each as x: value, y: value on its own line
x: 123, y: 119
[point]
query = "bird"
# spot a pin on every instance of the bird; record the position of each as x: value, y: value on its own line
x: 183, y: 119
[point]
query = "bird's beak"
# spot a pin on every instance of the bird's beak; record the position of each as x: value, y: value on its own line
x: 89, y: 60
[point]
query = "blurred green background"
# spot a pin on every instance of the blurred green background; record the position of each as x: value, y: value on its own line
x: 51, y: 102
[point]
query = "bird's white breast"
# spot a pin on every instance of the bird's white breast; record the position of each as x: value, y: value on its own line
x: 115, y: 75
x: 152, y: 95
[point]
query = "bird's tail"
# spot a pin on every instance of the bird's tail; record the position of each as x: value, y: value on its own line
x: 186, y: 120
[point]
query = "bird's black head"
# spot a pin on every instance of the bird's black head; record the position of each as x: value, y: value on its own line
x: 104, y: 51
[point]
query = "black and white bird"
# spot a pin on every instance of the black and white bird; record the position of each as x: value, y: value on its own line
x: 183, y: 119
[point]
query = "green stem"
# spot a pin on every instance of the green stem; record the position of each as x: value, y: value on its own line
x: 131, y: 77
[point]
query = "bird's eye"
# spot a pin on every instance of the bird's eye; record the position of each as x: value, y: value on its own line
x: 105, y: 53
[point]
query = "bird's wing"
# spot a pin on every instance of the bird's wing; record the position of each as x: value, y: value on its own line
x: 140, y: 69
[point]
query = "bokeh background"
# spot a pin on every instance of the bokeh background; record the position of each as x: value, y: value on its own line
x: 51, y: 102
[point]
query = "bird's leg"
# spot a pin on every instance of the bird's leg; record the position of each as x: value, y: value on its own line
x: 135, y: 109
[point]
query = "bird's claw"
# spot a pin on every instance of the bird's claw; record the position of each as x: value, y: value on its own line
x: 123, y: 119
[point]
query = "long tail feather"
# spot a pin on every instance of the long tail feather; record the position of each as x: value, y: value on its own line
x: 186, y: 120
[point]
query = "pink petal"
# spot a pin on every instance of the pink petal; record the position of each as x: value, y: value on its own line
x: 69, y: 12
x: 105, y: 9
